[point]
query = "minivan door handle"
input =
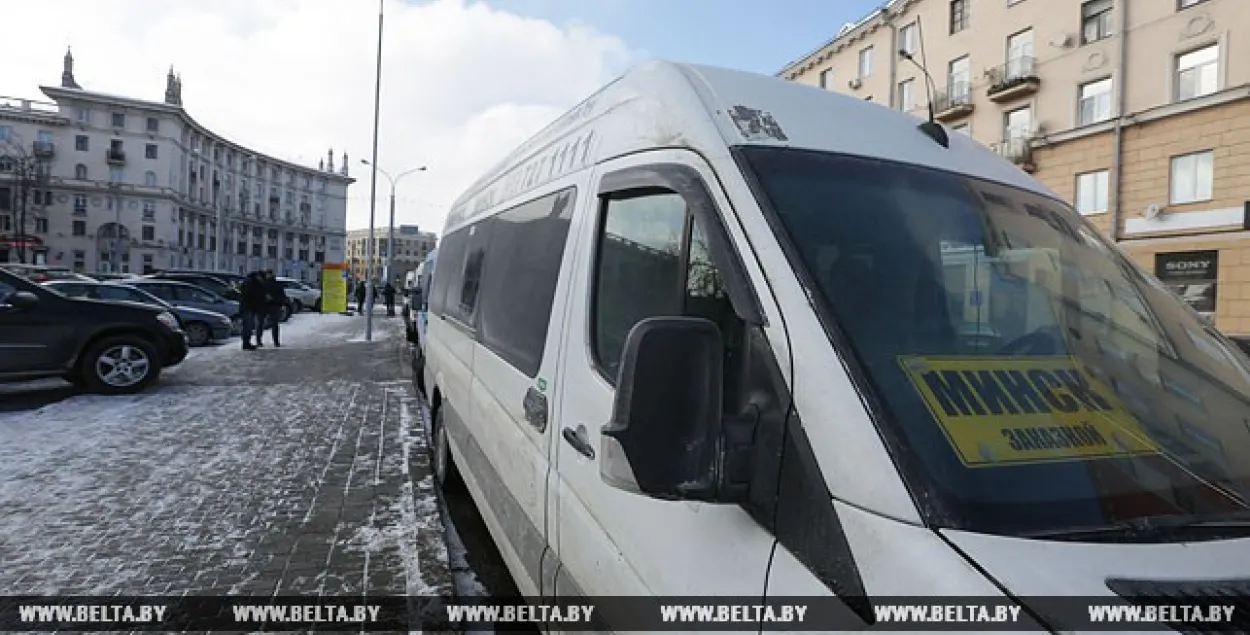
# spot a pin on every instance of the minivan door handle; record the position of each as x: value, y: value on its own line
x: 577, y: 439
x: 535, y: 406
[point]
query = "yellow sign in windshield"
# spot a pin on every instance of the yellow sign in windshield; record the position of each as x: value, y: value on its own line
x: 1000, y: 411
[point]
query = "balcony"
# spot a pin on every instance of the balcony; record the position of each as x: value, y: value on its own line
x: 115, y: 156
x: 953, y: 103
x: 44, y: 149
x: 1019, y: 151
x: 1013, y: 80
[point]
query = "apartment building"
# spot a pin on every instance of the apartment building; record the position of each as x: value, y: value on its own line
x: 1137, y: 112
x: 100, y: 182
x: 411, y: 247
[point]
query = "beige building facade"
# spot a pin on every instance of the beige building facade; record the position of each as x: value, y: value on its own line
x: 103, y: 183
x: 1137, y: 112
x: 411, y: 247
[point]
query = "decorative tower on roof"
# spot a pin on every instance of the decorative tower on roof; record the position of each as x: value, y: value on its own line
x: 330, y: 160
x: 171, y: 88
x: 321, y: 165
x: 67, y: 74
x: 343, y: 170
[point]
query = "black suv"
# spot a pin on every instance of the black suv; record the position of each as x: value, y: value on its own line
x: 105, y: 347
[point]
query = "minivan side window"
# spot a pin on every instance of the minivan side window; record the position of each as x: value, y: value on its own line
x: 498, y: 276
x: 653, y: 260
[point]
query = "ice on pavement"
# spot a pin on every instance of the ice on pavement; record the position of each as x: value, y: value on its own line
x: 274, y: 471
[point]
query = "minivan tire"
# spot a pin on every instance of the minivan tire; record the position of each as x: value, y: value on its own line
x: 441, y: 462
x: 93, y: 365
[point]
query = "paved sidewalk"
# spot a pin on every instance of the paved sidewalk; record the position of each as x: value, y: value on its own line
x: 298, y: 470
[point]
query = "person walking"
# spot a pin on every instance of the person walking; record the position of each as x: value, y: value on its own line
x: 360, y: 297
x: 389, y: 294
x: 253, y: 304
x: 277, y: 301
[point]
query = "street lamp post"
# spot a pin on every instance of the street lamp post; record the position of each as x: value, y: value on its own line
x: 373, y: 182
x: 390, y: 232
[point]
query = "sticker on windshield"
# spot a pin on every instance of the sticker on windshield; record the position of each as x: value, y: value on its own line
x: 998, y: 411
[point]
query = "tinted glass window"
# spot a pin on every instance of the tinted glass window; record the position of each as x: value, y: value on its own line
x: 474, y: 267
x: 653, y: 260
x: 1037, y: 379
x: 6, y: 290
x: 448, y: 277
x: 522, y: 268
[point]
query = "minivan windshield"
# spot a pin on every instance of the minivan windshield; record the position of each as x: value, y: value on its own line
x: 1027, y: 377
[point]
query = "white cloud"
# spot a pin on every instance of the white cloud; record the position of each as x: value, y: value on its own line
x: 462, y: 83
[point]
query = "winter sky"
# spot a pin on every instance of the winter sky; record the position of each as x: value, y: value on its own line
x: 463, y: 81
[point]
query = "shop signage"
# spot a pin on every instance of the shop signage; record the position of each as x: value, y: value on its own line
x: 1192, y: 275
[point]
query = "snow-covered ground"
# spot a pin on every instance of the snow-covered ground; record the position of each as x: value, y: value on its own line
x: 294, y: 470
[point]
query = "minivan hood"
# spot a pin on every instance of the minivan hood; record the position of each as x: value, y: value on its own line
x: 1039, y: 568
x: 119, y: 304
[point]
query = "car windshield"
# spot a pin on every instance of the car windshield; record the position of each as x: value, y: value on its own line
x: 1028, y: 377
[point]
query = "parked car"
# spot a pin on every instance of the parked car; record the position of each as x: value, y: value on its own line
x: 301, y: 295
x: 185, y: 294
x: 202, y: 327
x: 105, y: 347
x: 41, y: 273
x: 105, y: 277
x: 225, y: 285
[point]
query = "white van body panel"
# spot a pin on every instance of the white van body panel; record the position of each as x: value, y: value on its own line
x: 1051, y: 568
x: 613, y: 542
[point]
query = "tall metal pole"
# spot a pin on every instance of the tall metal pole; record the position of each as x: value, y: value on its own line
x: 390, y: 240
x: 373, y: 185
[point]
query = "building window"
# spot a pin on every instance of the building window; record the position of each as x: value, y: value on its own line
x: 1192, y: 177
x: 1095, y: 20
x: 80, y: 172
x: 149, y: 178
x: 959, y: 15
x: 865, y: 62
x: 959, y: 81
x: 80, y: 204
x: 149, y: 232
x: 1185, y: 4
x: 149, y: 151
x: 149, y: 210
x: 82, y: 143
x: 826, y: 77
x: 79, y: 228
x: 907, y: 41
x: 80, y: 260
x: 1091, y: 192
x: 1197, y: 72
x: 84, y: 115
x: 6, y: 133
x: 1020, y: 54
x: 154, y: 124
x: 119, y: 120
x: 41, y: 225
x: 1095, y: 102
x: 906, y: 96
x: 1018, y: 124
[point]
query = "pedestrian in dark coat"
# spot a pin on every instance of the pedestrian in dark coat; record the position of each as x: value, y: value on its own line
x: 277, y: 302
x: 360, y: 297
x: 389, y: 294
x: 253, y: 304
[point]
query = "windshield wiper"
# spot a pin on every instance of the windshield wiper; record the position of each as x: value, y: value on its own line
x: 1156, y: 529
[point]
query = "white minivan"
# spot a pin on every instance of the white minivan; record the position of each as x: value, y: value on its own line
x: 717, y: 333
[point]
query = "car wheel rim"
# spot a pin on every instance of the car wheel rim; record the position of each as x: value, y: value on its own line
x: 122, y: 365
x: 197, y: 334
x: 440, y: 454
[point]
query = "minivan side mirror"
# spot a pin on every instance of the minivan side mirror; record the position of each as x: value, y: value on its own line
x: 666, y: 438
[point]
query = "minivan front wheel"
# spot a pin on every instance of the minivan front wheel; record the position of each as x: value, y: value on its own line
x: 119, y: 366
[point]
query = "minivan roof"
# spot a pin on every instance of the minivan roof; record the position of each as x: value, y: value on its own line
x: 661, y: 104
